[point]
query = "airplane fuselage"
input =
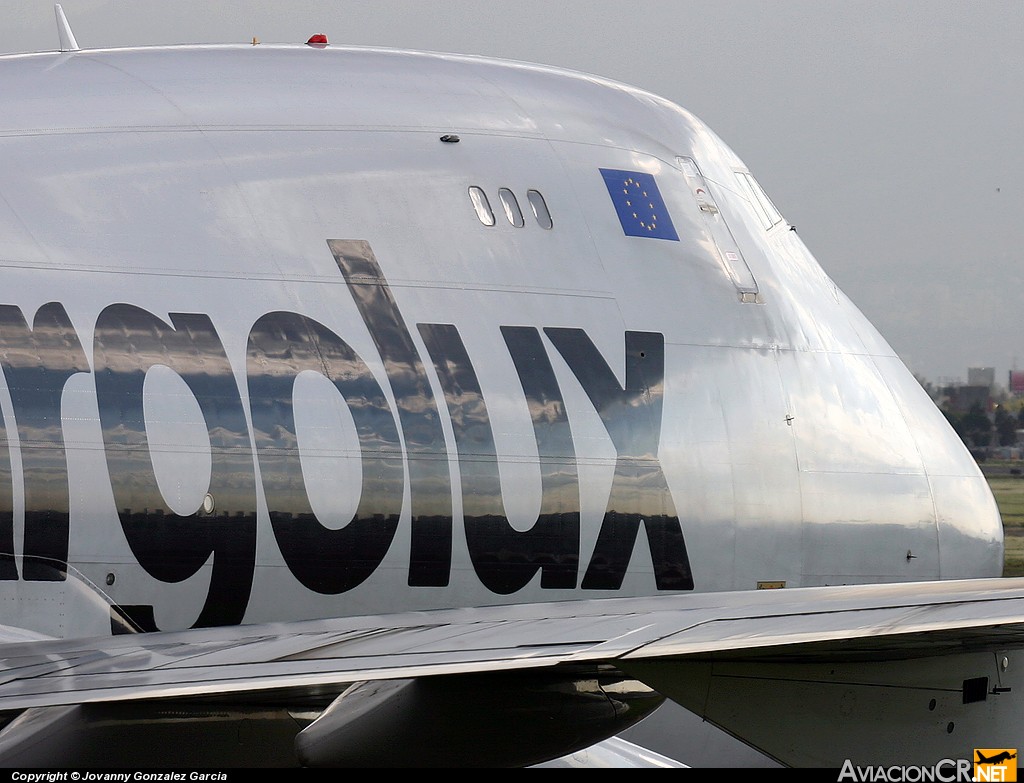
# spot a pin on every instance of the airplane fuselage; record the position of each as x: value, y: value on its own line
x: 273, y: 349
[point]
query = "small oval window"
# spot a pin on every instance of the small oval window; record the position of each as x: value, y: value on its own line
x: 481, y: 205
x: 540, y: 208
x: 511, y: 207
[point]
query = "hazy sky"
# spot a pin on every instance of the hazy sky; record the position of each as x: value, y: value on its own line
x: 890, y: 133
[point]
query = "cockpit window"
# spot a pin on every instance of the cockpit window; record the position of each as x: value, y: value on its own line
x: 759, y: 201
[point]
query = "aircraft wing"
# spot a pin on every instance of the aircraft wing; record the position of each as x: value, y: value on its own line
x: 869, y: 622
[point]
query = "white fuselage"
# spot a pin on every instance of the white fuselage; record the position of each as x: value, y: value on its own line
x: 262, y: 358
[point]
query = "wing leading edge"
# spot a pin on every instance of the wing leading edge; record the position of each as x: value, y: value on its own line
x: 740, y: 659
x: 869, y: 622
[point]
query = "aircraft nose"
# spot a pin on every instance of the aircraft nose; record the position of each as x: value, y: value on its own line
x: 970, y: 528
x: 969, y: 524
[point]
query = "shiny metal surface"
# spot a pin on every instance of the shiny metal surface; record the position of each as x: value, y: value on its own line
x: 773, y: 440
x: 262, y: 361
x: 822, y: 624
x: 614, y: 753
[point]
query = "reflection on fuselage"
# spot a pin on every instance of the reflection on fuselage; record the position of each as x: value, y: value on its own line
x: 171, y: 547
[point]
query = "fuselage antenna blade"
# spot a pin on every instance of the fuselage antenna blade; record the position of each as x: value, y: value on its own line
x: 67, y: 38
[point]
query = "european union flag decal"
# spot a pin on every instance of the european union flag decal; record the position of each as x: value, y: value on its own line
x: 639, y: 204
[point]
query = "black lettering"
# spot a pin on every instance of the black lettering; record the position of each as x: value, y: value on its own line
x: 128, y: 342
x: 639, y: 493
x: 282, y: 345
x: 430, y: 556
x: 37, y: 364
x: 8, y: 565
x: 504, y: 558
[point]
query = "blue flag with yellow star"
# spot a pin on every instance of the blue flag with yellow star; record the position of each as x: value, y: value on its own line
x: 639, y: 204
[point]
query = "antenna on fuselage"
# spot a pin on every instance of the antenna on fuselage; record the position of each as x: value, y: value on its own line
x: 67, y: 38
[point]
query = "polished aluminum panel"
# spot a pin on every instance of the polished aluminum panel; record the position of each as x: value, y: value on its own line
x: 160, y: 217
x: 879, y: 621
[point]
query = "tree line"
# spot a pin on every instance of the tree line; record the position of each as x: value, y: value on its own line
x: 979, y: 430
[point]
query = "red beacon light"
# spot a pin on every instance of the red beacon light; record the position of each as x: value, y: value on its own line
x: 319, y: 41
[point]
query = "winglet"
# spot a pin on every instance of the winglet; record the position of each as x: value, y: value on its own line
x: 67, y: 38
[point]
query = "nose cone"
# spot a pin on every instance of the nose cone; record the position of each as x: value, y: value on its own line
x: 970, y: 530
x: 969, y: 525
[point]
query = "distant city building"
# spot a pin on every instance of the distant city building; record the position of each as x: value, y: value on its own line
x: 981, y: 376
x: 961, y: 399
x: 1016, y: 383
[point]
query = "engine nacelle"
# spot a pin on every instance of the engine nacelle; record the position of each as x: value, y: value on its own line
x: 505, y: 719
